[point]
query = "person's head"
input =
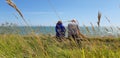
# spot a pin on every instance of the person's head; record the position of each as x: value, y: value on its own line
x: 73, y: 20
x: 59, y: 22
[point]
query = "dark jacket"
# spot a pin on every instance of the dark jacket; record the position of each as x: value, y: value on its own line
x: 60, y: 30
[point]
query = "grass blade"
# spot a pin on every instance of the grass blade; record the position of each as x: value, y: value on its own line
x: 107, y: 19
x: 92, y: 27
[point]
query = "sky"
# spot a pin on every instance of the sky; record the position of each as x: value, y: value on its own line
x: 47, y: 12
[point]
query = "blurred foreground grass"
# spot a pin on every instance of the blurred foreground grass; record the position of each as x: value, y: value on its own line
x: 46, y: 46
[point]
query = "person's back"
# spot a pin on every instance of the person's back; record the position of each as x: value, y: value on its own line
x: 60, y: 30
x: 73, y: 29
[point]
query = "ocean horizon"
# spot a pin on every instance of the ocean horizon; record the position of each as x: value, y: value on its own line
x: 86, y: 30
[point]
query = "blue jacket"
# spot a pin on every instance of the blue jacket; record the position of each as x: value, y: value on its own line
x: 60, y: 30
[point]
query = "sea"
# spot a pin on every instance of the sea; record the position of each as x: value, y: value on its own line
x: 86, y: 30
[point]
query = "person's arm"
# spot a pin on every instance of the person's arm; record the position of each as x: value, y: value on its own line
x: 64, y: 29
x: 56, y: 29
x: 78, y: 27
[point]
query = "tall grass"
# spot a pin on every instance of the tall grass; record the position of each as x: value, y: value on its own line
x: 45, y: 46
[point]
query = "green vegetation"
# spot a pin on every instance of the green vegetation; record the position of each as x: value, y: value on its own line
x: 46, y: 46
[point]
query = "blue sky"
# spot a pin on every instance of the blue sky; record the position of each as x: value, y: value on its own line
x: 40, y: 12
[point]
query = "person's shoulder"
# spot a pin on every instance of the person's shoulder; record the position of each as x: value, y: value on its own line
x: 73, y: 24
x: 70, y: 23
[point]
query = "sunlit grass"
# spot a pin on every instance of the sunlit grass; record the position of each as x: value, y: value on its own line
x: 45, y: 46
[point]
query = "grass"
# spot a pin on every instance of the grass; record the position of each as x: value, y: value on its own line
x: 45, y: 46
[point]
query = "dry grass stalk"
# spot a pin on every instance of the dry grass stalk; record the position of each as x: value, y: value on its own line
x: 107, y: 19
x: 86, y: 28
x: 81, y: 35
x: 111, y: 28
x: 15, y: 16
x: 9, y: 2
x: 118, y: 28
x: 106, y: 29
x: 99, y: 17
x: 92, y: 27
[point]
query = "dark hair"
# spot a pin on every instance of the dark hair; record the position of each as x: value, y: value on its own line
x: 59, y: 22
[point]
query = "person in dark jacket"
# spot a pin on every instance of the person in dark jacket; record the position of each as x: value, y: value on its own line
x: 60, y: 30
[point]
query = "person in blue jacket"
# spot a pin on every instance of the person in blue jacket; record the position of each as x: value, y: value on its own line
x: 60, y: 30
